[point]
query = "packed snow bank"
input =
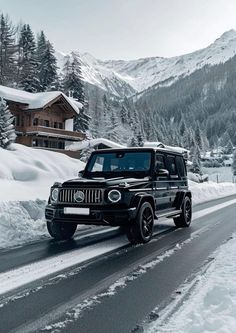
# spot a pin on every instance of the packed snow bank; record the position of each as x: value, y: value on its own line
x: 212, y: 305
x: 27, y: 173
x: 209, y: 191
x: 21, y: 222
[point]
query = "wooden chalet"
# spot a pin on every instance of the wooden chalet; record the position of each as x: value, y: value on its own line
x: 43, y: 120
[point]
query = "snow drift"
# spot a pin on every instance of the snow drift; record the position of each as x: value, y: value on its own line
x: 27, y: 173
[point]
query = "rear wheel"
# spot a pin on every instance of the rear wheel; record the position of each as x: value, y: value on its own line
x: 61, y: 231
x: 142, y: 228
x: 185, y: 217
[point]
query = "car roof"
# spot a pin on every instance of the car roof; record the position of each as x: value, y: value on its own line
x: 137, y: 149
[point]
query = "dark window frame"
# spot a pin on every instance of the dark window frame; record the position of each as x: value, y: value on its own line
x: 168, y: 165
x: 163, y: 157
x: 179, y: 168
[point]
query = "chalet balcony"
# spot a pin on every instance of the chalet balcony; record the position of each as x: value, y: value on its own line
x: 50, y: 132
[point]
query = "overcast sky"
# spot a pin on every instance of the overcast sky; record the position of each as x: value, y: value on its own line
x: 126, y: 29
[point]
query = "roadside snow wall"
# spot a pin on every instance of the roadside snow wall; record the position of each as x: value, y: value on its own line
x: 21, y: 222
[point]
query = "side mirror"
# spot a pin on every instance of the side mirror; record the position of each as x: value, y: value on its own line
x: 162, y: 173
x: 81, y: 173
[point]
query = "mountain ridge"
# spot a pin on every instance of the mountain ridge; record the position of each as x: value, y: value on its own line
x: 127, y: 77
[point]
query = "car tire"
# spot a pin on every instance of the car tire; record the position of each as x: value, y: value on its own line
x: 142, y: 228
x: 61, y: 231
x: 185, y: 217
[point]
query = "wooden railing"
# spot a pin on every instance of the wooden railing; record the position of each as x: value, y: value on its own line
x: 49, y: 130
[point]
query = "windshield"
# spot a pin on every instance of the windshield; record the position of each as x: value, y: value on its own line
x: 119, y: 164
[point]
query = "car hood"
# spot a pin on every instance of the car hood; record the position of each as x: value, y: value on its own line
x: 106, y: 182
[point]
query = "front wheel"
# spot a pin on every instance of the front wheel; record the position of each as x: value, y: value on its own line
x: 185, y: 217
x: 61, y: 231
x: 142, y: 228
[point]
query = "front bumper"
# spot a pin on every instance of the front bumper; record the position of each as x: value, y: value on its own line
x: 112, y: 217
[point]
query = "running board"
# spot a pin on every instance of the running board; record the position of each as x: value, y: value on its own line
x: 173, y: 213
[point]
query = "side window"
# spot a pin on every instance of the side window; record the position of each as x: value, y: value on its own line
x: 180, y: 166
x: 171, y: 166
x: 160, y: 164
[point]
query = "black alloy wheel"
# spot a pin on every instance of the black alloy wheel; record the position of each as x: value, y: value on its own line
x: 142, y: 228
x: 185, y: 217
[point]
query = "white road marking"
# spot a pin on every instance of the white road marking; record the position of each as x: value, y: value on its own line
x: 213, y: 209
x: 21, y: 276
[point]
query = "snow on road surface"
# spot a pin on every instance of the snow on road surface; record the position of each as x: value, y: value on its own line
x: 211, y: 306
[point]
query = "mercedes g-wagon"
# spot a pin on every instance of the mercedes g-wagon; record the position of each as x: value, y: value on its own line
x: 122, y: 187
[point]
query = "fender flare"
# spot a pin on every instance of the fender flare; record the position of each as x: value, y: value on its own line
x: 180, y: 198
x: 139, y: 198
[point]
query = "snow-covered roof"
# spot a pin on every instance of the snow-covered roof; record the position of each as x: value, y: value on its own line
x: 35, y: 100
x: 93, y: 143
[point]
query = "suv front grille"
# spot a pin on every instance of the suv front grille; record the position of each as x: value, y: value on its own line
x: 91, y: 196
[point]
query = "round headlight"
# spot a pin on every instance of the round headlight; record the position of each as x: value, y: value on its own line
x: 54, y: 194
x: 114, y: 196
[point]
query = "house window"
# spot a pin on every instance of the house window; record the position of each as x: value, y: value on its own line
x: 60, y: 125
x: 61, y: 145
x: 46, y: 123
x: 35, y: 121
x: 55, y: 124
x: 22, y: 121
x: 45, y: 143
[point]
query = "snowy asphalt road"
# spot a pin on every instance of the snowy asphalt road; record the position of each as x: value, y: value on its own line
x: 62, y: 299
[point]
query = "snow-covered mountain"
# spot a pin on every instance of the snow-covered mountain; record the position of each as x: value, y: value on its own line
x: 122, y: 77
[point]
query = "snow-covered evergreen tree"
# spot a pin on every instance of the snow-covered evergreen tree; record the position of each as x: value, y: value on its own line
x: 228, y: 149
x: 72, y: 81
x: 7, y: 131
x: 7, y: 52
x: 47, y: 64
x: 82, y: 121
x: 124, y: 112
x: 196, y: 162
x: 234, y: 163
x: 73, y: 86
x: 198, y: 137
x: 27, y: 62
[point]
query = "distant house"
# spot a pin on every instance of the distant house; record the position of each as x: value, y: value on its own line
x: 43, y: 120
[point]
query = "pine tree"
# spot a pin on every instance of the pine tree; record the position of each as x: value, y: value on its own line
x: 234, y: 163
x: 229, y: 148
x: 7, y: 52
x: 198, y: 137
x: 196, y: 160
x: 133, y: 142
x: 106, y: 126
x: 7, y: 131
x: 72, y: 78
x: 114, y: 134
x: 124, y: 112
x: 72, y: 85
x: 81, y: 122
x: 28, y: 73
x: 47, y: 64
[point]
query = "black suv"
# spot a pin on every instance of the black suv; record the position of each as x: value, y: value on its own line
x: 122, y: 187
